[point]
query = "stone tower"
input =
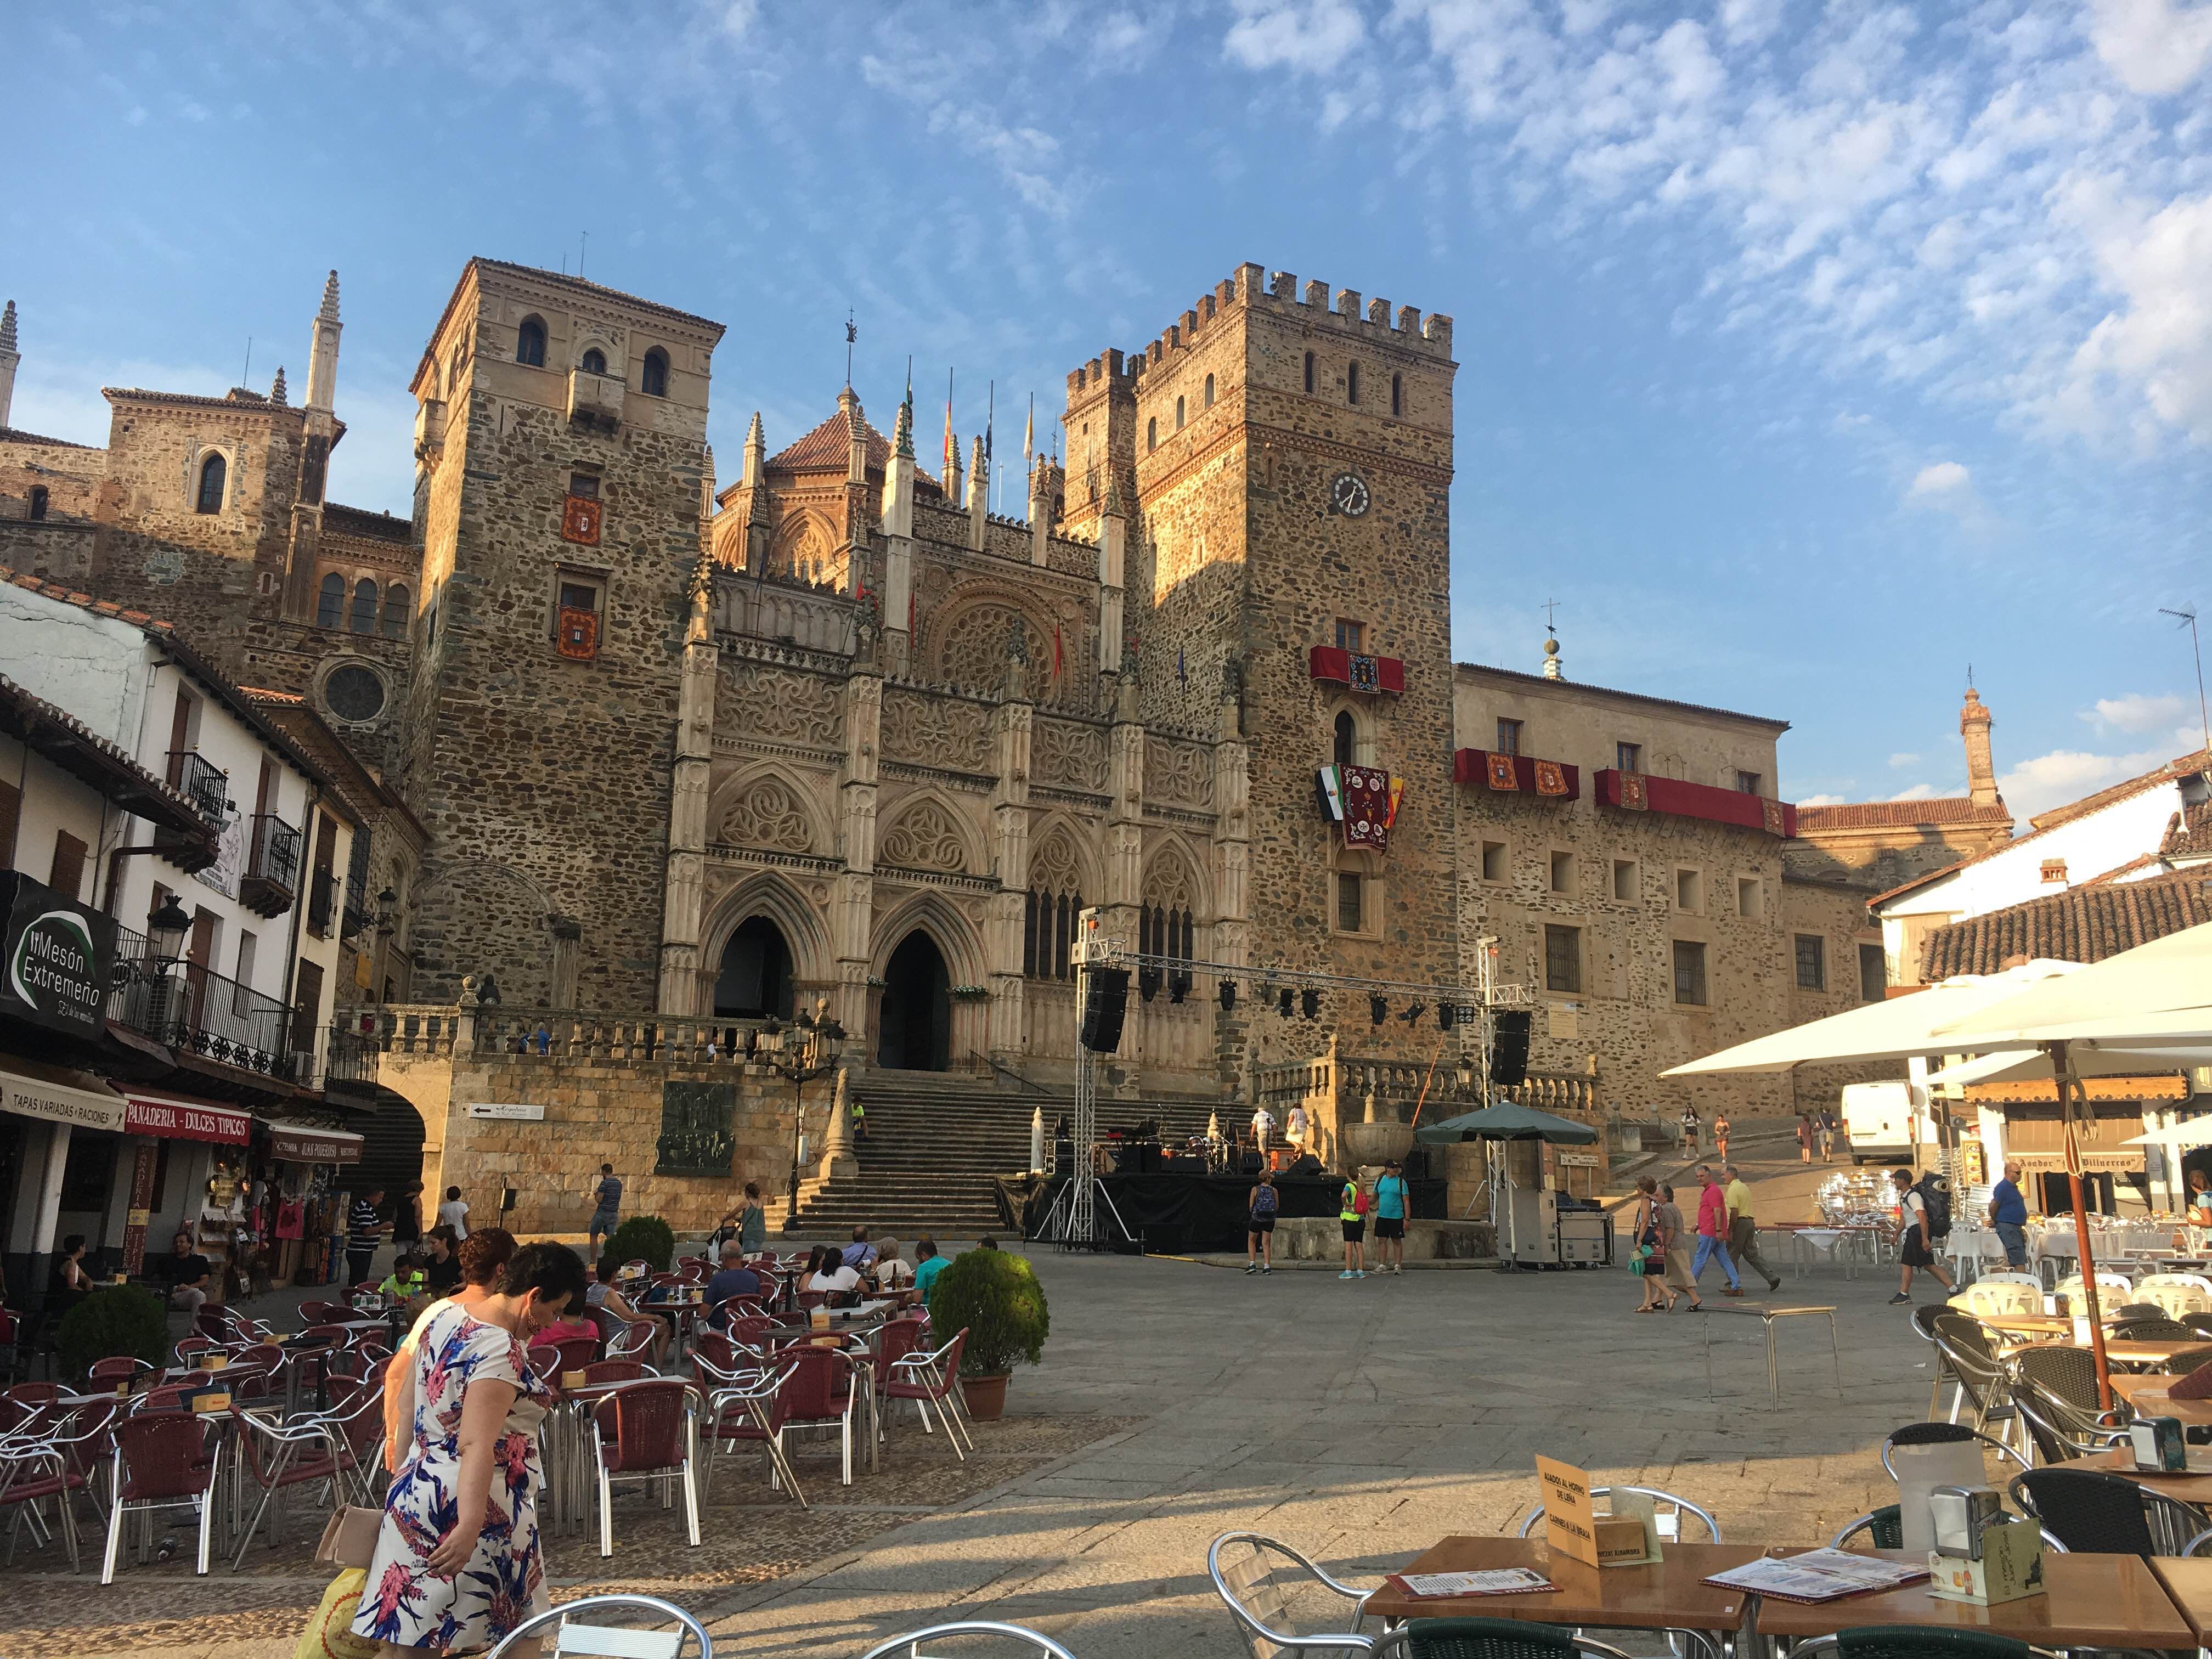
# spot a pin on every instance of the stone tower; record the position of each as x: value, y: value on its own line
x: 1288, y: 461
x: 1981, y: 771
x: 320, y: 433
x: 561, y: 445
x: 9, y: 357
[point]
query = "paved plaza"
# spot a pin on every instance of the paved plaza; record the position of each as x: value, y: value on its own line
x: 1357, y: 1420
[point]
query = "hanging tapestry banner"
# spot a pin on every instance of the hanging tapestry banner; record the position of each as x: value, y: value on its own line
x: 1551, y: 778
x: 1366, y: 794
x: 580, y: 520
x: 1502, y: 773
x: 1632, y: 794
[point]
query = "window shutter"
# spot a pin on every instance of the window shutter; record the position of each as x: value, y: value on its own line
x: 68, y: 877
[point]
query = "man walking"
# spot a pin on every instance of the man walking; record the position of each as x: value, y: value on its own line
x: 1915, y: 1239
x: 1713, y: 1231
x: 2008, y: 1215
x: 1743, y: 1230
x: 1390, y: 1219
x: 1263, y: 1125
x: 1827, y: 1134
x: 608, y: 1214
x: 364, y: 1232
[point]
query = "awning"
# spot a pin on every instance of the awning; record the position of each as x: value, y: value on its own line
x: 2039, y: 1143
x: 178, y: 1119
x: 302, y: 1143
x: 57, y: 1094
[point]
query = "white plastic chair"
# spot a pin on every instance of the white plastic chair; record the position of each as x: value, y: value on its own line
x: 1994, y: 1295
x: 612, y: 1641
x: 1034, y: 1643
x: 2108, y: 1285
x: 2179, y: 1294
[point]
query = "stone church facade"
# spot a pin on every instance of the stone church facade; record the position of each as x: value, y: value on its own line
x: 836, y: 730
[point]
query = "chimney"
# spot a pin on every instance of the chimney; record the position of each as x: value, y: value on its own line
x: 9, y: 357
x: 1981, y: 772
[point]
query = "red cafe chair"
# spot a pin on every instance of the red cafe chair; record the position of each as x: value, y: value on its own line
x: 644, y: 1430
x: 162, y: 1461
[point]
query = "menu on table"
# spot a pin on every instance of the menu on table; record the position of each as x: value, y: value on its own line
x: 1818, y: 1575
x: 1501, y: 1581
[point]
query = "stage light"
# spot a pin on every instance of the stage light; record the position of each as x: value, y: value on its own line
x: 1148, y: 983
x: 1284, y: 1006
x: 1444, y: 1016
x: 1414, y: 1012
x: 1377, y: 1010
x: 1309, y: 1001
x: 1228, y: 994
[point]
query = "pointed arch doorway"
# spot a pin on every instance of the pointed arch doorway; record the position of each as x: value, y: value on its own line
x: 755, y: 979
x: 917, y: 1008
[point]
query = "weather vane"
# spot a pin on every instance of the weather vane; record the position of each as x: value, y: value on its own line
x: 852, y: 333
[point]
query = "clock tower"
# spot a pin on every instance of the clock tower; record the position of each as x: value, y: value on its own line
x: 1287, y: 574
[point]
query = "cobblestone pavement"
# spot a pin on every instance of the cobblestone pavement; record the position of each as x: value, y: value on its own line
x: 1358, y: 1420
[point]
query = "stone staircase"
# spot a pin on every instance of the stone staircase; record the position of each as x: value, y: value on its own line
x: 935, y: 1141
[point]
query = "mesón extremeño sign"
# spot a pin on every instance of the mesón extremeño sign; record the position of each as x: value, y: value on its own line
x: 57, y: 958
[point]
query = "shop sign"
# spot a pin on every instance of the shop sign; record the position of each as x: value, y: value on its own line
x: 521, y: 1110
x: 296, y: 1143
x: 185, y: 1119
x: 58, y: 1102
x: 58, y: 956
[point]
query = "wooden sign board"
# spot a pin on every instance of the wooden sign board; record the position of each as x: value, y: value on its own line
x: 1570, y: 1517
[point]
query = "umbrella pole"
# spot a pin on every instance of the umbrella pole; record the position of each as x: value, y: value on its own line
x: 2069, y: 1089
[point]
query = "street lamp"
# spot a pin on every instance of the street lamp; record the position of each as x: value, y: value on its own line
x: 166, y: 929
x: 813, y: 1054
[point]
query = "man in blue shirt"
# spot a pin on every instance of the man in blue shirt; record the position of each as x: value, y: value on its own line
x: 734, y: 1278
x: 2008, y: 1215
x: 1390, y: 1219
x: 927, y: 1264
x: 859, y: 1256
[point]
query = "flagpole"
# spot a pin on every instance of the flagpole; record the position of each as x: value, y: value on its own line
x: 2070, y: 1098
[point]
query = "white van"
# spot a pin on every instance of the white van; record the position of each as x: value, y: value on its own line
x: 1881, y: 1123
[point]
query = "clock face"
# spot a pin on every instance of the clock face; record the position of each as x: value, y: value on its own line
x: 1347, y: 494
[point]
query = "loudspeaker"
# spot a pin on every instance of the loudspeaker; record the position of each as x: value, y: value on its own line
x: 1107, y: 1000
x: 1509, y: 1047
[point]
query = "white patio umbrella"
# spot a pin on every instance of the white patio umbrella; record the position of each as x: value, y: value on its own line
x: 2156, y: 996
x: 1898, y: 1028
x: 2197, y: 1132
x: 2090, y: 1060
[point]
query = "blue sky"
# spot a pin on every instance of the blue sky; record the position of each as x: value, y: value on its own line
x: 1809, y: 353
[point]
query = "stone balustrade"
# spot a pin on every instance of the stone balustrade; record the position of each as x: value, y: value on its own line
x: 565, y: 1035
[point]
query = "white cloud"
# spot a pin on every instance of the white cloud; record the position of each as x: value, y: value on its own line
x: 1310, y: 37
x: 1941, y: 484
x: 2066, y: 774
x: 2136, y: 712
x: 1871, y: 188
x: 1918, y: 791
x: 1821, y: 800
x: 2154, y: 47
x: 1903, y: 759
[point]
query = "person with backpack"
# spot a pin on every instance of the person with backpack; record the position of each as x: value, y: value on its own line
x: 1351, y: 1211
x: 1923, y: 1218
x: 1391, y: 1194
x: 1260, y: 1226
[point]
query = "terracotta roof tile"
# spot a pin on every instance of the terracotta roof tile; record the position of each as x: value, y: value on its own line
x: 2083, y: 924
x: 365, y: 522
x: 1899, y: 814
x: 1776, y: 726
x: 9, y: 434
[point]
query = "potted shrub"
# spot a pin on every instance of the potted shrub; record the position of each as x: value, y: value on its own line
x: 642, y: 1238
x: 122, y: 1319
x: 995, y: 1295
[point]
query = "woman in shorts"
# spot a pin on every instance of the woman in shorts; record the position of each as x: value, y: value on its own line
x: 1354, y: 1218
x: 1260, y: 1226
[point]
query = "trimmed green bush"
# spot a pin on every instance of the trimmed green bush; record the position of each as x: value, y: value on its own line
x: 995, y: 1297
x: 641, y: 1239
x: 119, y: 1320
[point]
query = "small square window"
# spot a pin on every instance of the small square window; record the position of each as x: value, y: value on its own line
x: 1508, y: 737
x: 1690, y: 973
x: 1351, y: 903
x: 1493, y: 861
x: 1351, y: 635
x: 1628, y: 757
x: 1563, y: 872
x: 1689, y: 889
x: 1812, y: 963
x: 584, y: 485
x: 1750, y: 896
x: 1747, y: 783
x: 1627, y: 885
x: 1563, y: 959
x: 1874, y: 973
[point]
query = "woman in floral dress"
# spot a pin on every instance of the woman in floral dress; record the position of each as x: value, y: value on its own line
x: 458, y: 1562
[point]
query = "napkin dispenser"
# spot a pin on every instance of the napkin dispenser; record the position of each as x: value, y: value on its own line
x: 1960, y: 1515
x: 2007, y: 1563
x: 2159, y: 1444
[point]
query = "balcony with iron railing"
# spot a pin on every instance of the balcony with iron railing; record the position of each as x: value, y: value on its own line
x: 203, y: 784
x: 272, y: 881
x: 199, y: 1011
x: 322, y: 902
x: 350, y: 1059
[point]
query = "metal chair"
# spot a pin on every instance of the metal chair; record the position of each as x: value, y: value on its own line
x: 2105, y: 1514
x: 1984, y: 1385
x: 1884, y: 1529
x: 1936, y: 1434
x: 2055, y: 1392
x: 2153, y: 1327
x: 1669, y: 1522
x: 293, y: 1455
x: 354, y: 1427
x: 116, y: 1371
x: 927, y: 1377
x: 31, y: 1472
x: 751, y: 1408
x: 616, y: 1370
x: 1916, y: 1642
x: 162, y: 1461
x: 645, y: 1430
x: 908, y: 1646
x: 571, y: 1637
x: 1255, y: 1577
x: 820, y: 1395
x: 1488, y: 1638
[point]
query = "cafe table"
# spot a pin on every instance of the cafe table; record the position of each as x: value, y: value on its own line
x: 2193, y: 1487
x: 2146, y: 1395
x: 2187, y: 1583
x: 2093, y: 1601
x: 1670, y: 1596
x: 2140, y: 1350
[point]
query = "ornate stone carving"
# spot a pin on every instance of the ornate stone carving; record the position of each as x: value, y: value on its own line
x: 1168, y: 885
x: 936, y: 730
x: 768, y: 815
x: 778, y: 704
x: 925, y: 837
x: 980, y: 642
x: 1072, y: 756
x: 1053, y: 868
x: 1178, y: 772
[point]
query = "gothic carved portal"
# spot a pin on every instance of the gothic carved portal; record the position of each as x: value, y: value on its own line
x: 755, y: 981
x: 917, y: 1008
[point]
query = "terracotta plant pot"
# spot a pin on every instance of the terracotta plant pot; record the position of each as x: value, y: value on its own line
x: 985, y: 1396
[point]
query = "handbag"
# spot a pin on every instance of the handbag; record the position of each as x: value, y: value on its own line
x: 328, y: 1634
x: 350, y: 1537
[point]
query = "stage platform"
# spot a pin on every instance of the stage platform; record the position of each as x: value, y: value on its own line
x: 1180, y: 1214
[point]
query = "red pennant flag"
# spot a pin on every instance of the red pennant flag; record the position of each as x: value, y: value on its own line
x: 1055, y: 651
